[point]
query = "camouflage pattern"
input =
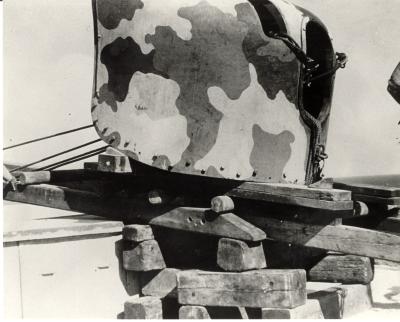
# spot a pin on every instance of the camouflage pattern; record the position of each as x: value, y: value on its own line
x: 197, y: 87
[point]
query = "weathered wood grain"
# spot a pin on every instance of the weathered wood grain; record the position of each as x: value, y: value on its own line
x: 295, y: 190
x: 160, y: 283
x: 237, y: 256
x: 200, y: 220
x: 144, y: 308
x: 260, y: 288
x: 340, y: 238
x: 340, y: 205
x: 347, y: 269
x: 146, y: 256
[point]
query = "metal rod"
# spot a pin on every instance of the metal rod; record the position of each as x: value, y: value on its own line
x: 55, y: 155
x: 73, y: 159
x: 48, y: 137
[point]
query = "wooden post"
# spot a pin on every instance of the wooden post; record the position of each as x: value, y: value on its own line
x: 237, y: 256
x: 143, y: 308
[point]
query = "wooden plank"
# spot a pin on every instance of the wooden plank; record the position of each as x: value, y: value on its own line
x: 260, y: 288
x: 143, y: 308
x: 160, y: 283
x: 348, y: 269
x: 202, y: 220
x: 340, y: 238
x: 237, y: 256
x: 296, y: 190
x: 292, y: 200
x: 369, y: 189
x: 395, y: 201
x: 146, y: 256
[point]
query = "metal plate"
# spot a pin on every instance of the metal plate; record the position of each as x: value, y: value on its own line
x: 197, y: 87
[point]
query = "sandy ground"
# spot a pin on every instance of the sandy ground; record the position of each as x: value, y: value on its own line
x: 385, y: 295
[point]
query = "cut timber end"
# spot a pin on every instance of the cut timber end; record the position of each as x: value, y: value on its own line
x: 34, y: 177
x: 144, y: 308
x: 348, y: 269
x: 146, y: 256
x: 158, y: 197
x: 187, y: 312
x: 237, y: 256
x: 221, y: 204
x: 340, y: 238
x: 160, y: 284
x: 137, y: 233
x: 260, y: 288
x: 204, y: 221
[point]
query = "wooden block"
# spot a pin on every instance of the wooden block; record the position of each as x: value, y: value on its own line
x: 237, y: 256
x: 348, y: 269
x: 261, y: 288
x: 340, y: 238
x: 137, y: 233
x: 160, y: 284
x: 310, y: 310
x: 342, y: 301
x: 221, y: 204
x: 113, y: 163
x: 379, y: 200
x: 34, y: 177
x: 204, y: 221
x: 146, y: 256
x: 187, y: 312
x: 377, y: 190
x: 143, y: 308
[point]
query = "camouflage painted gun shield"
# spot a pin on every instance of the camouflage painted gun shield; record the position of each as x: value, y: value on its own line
x: 197, y: 87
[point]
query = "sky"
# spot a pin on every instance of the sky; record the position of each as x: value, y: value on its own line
x: 48, y: 73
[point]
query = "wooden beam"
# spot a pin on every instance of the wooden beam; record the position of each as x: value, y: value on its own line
x: 341, y: 205
x: 340, y: 238
x: 259, y: 288
x: 143, y: 308
x: 393, y: 201
x: 199, y: 220
x: 369, y: 189
x: 202, y: 220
